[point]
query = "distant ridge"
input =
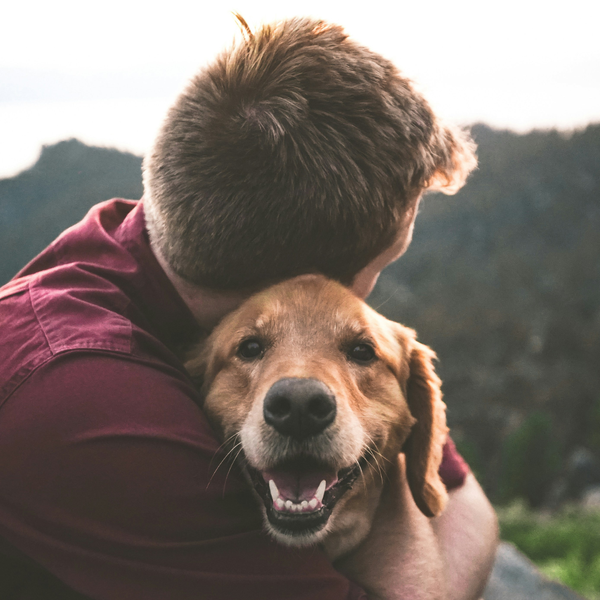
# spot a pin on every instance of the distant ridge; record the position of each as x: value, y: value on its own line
x: 69, y: 177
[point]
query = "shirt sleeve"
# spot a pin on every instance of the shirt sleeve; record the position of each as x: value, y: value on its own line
x: 113, y: 482
x: 453, y: 469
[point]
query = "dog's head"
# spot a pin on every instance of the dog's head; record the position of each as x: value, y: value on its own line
x: 321, y: 391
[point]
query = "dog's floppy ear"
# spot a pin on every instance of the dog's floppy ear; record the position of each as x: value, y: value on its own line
x: 196, y: 361
x: 425, y: 443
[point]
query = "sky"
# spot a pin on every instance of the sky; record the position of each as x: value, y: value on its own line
x: 106, y: 72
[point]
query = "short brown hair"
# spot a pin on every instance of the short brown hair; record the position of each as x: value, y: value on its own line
x: 297, y: 150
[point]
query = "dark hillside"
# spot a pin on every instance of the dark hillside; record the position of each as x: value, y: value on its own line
x: 69, y: 177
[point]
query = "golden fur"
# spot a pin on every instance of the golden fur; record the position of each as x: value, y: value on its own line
x: 307, y: 328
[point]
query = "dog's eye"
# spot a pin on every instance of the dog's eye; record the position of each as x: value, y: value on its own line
x: 362, y: 353
x: 249, y: 349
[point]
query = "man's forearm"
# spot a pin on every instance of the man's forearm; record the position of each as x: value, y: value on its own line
x: 410, y: 557
x: 401, y: 558
x: 467, y: 534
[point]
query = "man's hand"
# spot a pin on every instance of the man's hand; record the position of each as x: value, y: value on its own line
x: 410, y: 557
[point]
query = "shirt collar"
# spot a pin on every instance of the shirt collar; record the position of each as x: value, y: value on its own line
x: 158, y: 298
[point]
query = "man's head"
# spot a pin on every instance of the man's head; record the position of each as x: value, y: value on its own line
x: 295, y: 151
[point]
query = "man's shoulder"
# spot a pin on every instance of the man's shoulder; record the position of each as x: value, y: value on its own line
x: 49, y: 313
x: 97, y: 287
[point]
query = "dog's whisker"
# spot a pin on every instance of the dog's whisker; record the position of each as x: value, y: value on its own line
x: 375, y: 462
x: 376, y: 455
x: 392, y: 295
x: 375, y: 450
x: 231, y: 437
x: 222, y: 446
x: 223, y: 460
x: 228, y: 453
x: 380, y: 468
x: 362, y: 473
x: 230, y: 467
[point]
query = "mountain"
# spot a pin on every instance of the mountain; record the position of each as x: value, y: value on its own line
x: 68, y: 178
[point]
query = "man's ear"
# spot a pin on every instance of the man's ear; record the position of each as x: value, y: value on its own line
x: 424, y: 446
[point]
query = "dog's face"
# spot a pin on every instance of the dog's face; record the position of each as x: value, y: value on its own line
x: 322, y: 393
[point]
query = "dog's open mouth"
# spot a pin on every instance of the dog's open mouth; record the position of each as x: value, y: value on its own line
x: 300, y: 494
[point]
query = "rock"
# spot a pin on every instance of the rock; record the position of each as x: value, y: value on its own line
x: 590, y: 499
x: 582, y: 473
x: 515, y: 577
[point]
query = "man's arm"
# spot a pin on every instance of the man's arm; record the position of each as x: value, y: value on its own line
x: 410, y: 557
x: 467, y: 534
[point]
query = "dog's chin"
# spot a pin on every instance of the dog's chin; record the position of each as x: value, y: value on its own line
x: 299, y: 538
x: 299, y: 497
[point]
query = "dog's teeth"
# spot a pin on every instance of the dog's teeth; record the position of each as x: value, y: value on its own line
x: 273, y: 489
x: 321, y: 491
x: 280, y: 504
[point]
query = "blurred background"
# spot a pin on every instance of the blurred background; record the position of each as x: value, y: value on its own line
x: 502, y: 280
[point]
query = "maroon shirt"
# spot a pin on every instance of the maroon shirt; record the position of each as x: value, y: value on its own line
x: 109, y: 483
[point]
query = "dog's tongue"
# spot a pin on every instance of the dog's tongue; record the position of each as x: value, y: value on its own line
x: 298, y: 485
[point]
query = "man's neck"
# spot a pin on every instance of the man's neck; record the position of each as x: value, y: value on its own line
x: 207, y: 306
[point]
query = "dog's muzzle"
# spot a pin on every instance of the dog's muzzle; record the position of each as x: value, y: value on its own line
x: 300, y: 492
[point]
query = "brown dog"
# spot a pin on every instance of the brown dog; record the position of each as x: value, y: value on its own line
x: 321, y: 392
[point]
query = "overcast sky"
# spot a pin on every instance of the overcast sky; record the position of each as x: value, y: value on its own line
x: 106, y: 72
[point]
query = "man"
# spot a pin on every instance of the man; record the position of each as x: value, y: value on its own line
x: 296, y: 151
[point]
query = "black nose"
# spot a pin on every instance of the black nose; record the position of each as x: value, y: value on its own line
x: 299, y: 408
